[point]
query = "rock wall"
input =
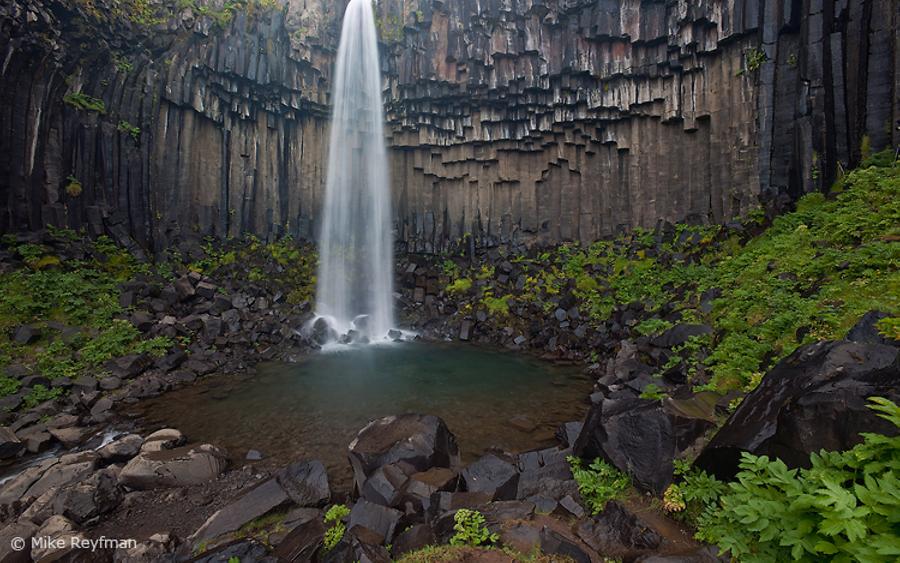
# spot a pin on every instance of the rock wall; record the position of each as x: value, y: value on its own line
x: 533, y: 121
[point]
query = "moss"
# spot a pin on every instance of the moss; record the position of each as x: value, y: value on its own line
x: 81, y: 101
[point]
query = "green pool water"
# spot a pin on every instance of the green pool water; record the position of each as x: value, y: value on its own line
x: 314, y: 408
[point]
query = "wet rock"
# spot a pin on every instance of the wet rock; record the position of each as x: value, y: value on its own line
x: 25, y: 335
x: 554, y: 543
x: 357, y: 548
x: 58, y: 475
x: 240, y: 550
x: 186, y: 465
x: 110, y: 383
x: 172, y: 361
x: 865, y: 331
x: 306, y: 483
x: 60, y: 533
x: 814, y: 399
x: 253, y: 455
x: 376, y: 518
x: 89, y: 499
x: 164, y: 439
x: 413, y: 538
x: 619, y: 533
x: 384, y: 485
x: 421, y: 441
x: 491, y: 475
x: 635, y: 435
x: 158, y: 547
x: 465, y: 331
x: 18, y: 530
x: 129, y: 366
x: 70, y: 437
x: 301, y: 543
x: 10, y: 444
x: 258, y: 502
x: 522, y: 537
x: 121, y: 449
x: 184, y: 289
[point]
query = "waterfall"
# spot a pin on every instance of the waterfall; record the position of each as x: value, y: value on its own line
x: 355, y: 277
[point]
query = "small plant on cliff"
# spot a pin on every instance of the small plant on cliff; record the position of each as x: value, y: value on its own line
x: 471, y: 529
x: 599, y: 482
x: 82, y: 101
x: 122, y: 64
x: 845, y: 507
x: 130, y: 129
x: 462, y: 285
x: 889, y: 327
x: 74, y: 187
x: 334, y: 522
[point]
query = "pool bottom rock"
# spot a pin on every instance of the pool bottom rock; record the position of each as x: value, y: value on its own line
x: 409, y: 485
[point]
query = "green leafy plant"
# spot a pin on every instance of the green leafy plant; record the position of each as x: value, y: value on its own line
x: 74, y: 187
x: 335, y: 526
x: 461, y: 285
x: 471, y: 529
x: 130, y: 129
x: 889, y: 327
x: 653, y: 392
x: 39, y: 394
x: 845, y: 507
x: 652, y: 326
x: 599, y: 482
x: 82, y: 101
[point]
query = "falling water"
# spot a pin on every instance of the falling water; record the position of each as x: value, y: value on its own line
x: 355, y: 269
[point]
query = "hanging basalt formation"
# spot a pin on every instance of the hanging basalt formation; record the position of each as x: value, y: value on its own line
x: 509, y: 120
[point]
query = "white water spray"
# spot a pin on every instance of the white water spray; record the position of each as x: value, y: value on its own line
x: 355, y: 255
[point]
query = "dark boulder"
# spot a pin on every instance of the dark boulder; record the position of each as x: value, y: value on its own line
x: 301, y: 543
x: 812, y: 400
x: 493, y: 476
x: 679, y: 334
x: 554, y: 543
x: 375, y: 518
x: 633, y: 434
x: 25, y: 335
x: 618, y: 533
x: 866, y: 332
x: 420, y: 441
x: 413, y: 538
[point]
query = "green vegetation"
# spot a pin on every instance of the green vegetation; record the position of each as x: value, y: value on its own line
x: 845, y: 507
x: 133, y: 130
x: 653, y: 392
x: 283, y: 263
x: 889, y: 327
x: 81, y: 101
x: 598, y: 483
x: 471, y: 529
x: 39, y: 394
x: 461, y: 285
x: 122, y: 64
x: 809, y: 276
x: 754, y: 59
x: 335, y: 526
x: 82, y: 294
x: 74, y: 187
x: 390, y: 28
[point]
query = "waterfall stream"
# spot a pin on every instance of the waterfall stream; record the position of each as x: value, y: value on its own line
x: 355, y: 275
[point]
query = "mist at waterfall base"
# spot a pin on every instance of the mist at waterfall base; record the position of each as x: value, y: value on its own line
x: 355, y: 287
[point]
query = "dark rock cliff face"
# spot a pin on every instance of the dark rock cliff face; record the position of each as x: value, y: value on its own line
x: 527, y: 120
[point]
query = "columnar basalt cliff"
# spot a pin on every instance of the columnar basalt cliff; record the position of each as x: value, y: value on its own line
x: 525, y: 120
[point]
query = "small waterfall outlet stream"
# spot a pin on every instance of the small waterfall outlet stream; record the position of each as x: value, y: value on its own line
x: 355, y: 275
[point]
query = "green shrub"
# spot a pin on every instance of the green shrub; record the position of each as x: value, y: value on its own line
x: 39, y: 394
x: 461, y: 285
x: 81, y: 101
x: 652, y: 327
x: 74, y: 187
x: 128, y: 128
x: 335, y: 527
x: 845, y: 507
x: 653, y: 392
x: 471, y: 529
x: 598, y: 483
x: 889, y: 327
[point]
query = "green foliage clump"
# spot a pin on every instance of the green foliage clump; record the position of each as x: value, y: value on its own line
x: 335, y: 526
x: 496, y: 306
x: 81, y: 101
x: 845, y: 507
x: 653, y: 392
x: 471, y: 529
x: 461, y: 285
x: 128, y: 128
x: 39, y: 394
x: 74, y: 187
x: 599, y: 482
x: 889, y: 327
x: 652, y: 326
